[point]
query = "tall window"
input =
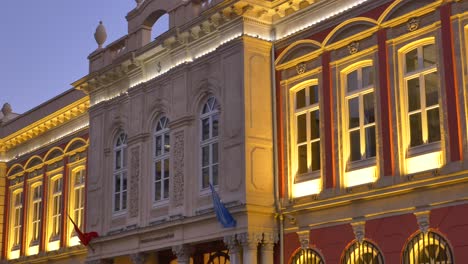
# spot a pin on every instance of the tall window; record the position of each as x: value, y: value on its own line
x: 307, y: 256
x: 57, y: 186
x: 360, y: 114
x: 161, y: 160
x: 209, y: 142
x: 120, y: 173
x: 422, y: 95
x: 79, y: 198
x: 307, y: 126
x: 361, y: 253
x: 427, y: 248
x: 17, y: 218
x: 36, y: 213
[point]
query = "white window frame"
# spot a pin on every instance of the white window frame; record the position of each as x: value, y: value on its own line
x: 78, y: 200
x: 56, y: 206
x: 359, y: 93
x: 17, y: 219
x: 213, y: 111
x: 419, y: 74
x: 121, y: 173
x: 307, y: 109
x: 161, y: 130
x: 36, y: 208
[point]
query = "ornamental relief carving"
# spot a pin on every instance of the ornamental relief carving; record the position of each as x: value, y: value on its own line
x: 178, y: 183
x: 412, y: 24
x: 134, y: 181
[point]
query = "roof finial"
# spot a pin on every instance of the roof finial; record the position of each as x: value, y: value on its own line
x: 100, y: 35
x: 6, y: 109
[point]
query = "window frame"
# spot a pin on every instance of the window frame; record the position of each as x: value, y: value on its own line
x: 55, y: 214
x: 163, y: 121
x: 16, y: 219
x: 209, y: 142
x: 36, y: 223
x: 308, y: 109
x: 80, y: 186
x: 120, y: 172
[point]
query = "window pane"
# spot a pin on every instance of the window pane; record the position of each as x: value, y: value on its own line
x: 313, y: 94
x: 166, y: 168
x: 215, y: 174
x: 355, y: 145
x: 315, y: 124
x: 415, y: 130
x: 167, y: 143
x: 429, y: 55
x: 433, y: 125
x: 205, y: 156
x: 157, y: 170
x: 414, y: 98
x: 352, y: 81
x: 205, y: 129
x: 117, y: 202
x: 431, y: 82
x: 301, y: 128
x: 215, y: 152
x: 302, y: 159
x: 369, y: 112
x: 117, y: 183
x: 412, y: 60
x: 157, y: 189
x: 367, y: 76
x: 124, y: 157
x: 124, y: 181
x: 300, y: 98
x: 353, y: 112
x: 166, y: 189
x: 124, y: 200
x: 158, y: 145
x: 215, y: 125
x: 315, y: 156
x: 205, y: 177
x: 370, y: 142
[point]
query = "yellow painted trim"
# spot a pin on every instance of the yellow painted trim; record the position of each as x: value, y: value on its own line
x: 13, y: 167
x: 404, y: 18
x: 29, y: 161
x: 293, y: 45
x: 66, y: 150
x: 346, y: 23
x: 302, y: 76
x: 363, y: 53
x: 307, y: 57
x: 46, y: 156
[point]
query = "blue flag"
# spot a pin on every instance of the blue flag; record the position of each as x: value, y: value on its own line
x: 222, y: 213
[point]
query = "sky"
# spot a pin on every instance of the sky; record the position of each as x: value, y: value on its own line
x: 45, y: 45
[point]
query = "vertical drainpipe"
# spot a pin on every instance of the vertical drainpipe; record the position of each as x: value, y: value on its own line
x: 279, y: 214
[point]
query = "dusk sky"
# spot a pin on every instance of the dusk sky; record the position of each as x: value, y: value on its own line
x: 45, y: 45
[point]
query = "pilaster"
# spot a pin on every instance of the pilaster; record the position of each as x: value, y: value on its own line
x: 182, y: 253
x: 268, y: 244
x: 249, y: 243
x: 235, y: 249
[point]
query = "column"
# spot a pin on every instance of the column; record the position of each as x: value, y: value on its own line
x: 268, y: 243
x: 4, y: 203
x: 234, y: 247
x: 182, y: 253
x: 249, y: 243
x: 138, y: 258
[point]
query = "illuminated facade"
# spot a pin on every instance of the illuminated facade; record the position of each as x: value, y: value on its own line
x: 43, y: 155
x: 372, y: 135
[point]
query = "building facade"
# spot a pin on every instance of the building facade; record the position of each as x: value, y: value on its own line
x: 372, y: 145
x: 43, y: 156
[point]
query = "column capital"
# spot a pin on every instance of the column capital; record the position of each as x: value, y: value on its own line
x: 304, y: 238
x: 232, y: 244
x: 182, y: 253
x: 250, y: 240
x: 423, y: 220
x: 359, y: 229
x: 138, y: 258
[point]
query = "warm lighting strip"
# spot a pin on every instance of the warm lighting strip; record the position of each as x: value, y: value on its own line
x: 55, y: 245
x: 360, y: 176
x: 424, y: 162
x: 315, y: 20
x: 14, y: 254
x: 306, y: 188
x: 33, y: 250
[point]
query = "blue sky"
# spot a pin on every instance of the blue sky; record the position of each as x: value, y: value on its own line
x: 45, y: 45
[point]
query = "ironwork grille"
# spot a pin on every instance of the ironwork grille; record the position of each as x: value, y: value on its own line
x: 219, y: 257
x: 430, y: 248
x: 307, y: 256
x: 362, y: 253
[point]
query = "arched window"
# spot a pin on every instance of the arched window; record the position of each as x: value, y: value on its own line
x: 160, y: 26
x: 307, y: 256
x: 430, y: 248
x: 161, y: 160
x: 120, y: 173
x: 209, y: 143
x: 362, y: 253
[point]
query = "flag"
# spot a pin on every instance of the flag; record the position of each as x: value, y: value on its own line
x: 85, y: 238
x: 222, y: 213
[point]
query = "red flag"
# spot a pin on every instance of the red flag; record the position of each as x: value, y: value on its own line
x: 85, y: 238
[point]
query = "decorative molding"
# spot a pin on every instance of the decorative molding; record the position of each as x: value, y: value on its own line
x: 178, y: 176
x: 301, y: 68
x: 232, y: 244
x: 412, y: 24
x: 182, y: 253
x: 134, y: 181
x: 250, y: 241
x: 359, y: 229
x: 353, y: 47
x: 423, y: 220
x: 304, y: 238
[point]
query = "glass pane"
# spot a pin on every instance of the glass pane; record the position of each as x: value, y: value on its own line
x: 206, y: 109
x: 315, y: 124
x: 300, y: 98
x: 315, y: 156
x: 157, y: 170
x: 215, y: 152
x: 313, y: 94
x: 166, y: 168
x: 205, y: 156
x: 415, y: 130
x: 124, y: 182
x: 429, y: 55
x: 433, y: 124
x: 158, y: 145
x: 117, y: 159
x: 353, y: 112
x: 215, y: 120
x: 352, y: 81
x: 431, y: 82
x: 302, y: 159
x: 355, y: 145
x: 215, y: 174
x: 124, y: 157
x: 414, y: 98
x: 157, y: 189
x: 369, y: 112
x: 167, y: 143
x: 117, y: 183
x: 117, y: 202
x: 124, y: 200
x: 205, y: 177
x: 166, y: 189
x: 301, y: 128
x: 205, y: 129
x: 370, y: 142
x: 412, y: 60
x: 367, y: 76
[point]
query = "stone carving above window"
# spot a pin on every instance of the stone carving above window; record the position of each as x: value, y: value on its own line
x: 301, y: 68
x: 412, y: 24
x: 353, y: 47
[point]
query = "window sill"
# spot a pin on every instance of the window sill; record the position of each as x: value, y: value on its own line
x: 423, y: 149
x: 160, y: 203
x: 360, y: 164
x: 118, y: 214
x: 307, y: 176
